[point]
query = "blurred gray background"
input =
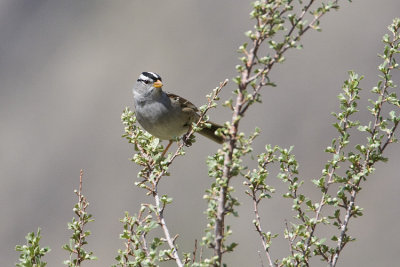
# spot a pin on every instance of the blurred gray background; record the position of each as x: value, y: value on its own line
x: 66, y: 72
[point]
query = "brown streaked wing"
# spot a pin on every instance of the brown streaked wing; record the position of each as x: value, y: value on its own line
x: 184, y: 103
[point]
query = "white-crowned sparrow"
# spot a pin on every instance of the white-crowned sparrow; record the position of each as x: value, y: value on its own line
x: 165, y: 115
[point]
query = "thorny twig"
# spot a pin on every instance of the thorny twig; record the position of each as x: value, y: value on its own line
x: 368, y: 162
x: 83, y: 203
x: 242, y: 104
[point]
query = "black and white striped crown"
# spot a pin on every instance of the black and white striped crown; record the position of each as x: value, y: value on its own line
x: 149, y: 77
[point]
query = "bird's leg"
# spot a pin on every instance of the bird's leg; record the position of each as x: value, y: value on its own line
x: 166, y: 149
x: 186, y: 139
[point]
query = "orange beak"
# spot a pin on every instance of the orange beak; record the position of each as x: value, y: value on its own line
x: 157, y: 84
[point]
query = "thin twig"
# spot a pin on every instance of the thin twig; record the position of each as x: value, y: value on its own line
x: 259, y: 230
x: 194, y: 251
x: 240, y: 108
x: 366, y: 165
x: 82, y: 203
x: 290, y: 240
x: 267, y: 68
x: 167, y: 235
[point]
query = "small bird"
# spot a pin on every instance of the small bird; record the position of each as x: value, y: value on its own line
x: 165, y: 115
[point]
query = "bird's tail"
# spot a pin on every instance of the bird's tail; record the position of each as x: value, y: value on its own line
x: 210, y: 133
